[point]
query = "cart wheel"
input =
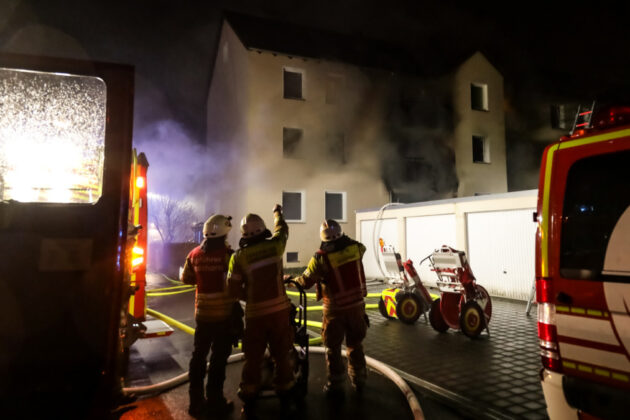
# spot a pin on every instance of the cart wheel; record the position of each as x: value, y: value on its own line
x: 472, y: 319
x: 488, y: 308
x: 408, y: 308
x: 435, y: 317
x: 382, y: 308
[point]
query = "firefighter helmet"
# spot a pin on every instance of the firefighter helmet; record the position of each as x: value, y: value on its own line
x: 252, y: 225
x: 330, y: 230
x: 217, y: 225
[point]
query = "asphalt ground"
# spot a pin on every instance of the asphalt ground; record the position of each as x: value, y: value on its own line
x: 453, y: 376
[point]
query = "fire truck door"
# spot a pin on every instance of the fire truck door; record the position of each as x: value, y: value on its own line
x: 65, y: 147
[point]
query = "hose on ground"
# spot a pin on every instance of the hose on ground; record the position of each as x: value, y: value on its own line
x: 378, y: 366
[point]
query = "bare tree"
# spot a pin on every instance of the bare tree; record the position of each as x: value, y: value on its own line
x: 172, y: 218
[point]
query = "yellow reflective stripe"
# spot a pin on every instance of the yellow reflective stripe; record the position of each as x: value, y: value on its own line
x: 596, y: 370
x: 595, y: 139
x: 346, y: 255
x: 544, y: 227
x: 581, y: 311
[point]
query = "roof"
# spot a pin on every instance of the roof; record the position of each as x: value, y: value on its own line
x: 483, y: 197
x: 293, y: 40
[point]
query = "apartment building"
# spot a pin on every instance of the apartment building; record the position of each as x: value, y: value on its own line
x: 290, y: 123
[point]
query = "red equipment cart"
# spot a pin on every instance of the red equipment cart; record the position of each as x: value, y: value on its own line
x: 409, y: 299
x: 463, y: 304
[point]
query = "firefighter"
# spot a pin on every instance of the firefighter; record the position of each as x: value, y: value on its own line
x: 337, y: 271
x: 218, y: 317
x: 255, y: 276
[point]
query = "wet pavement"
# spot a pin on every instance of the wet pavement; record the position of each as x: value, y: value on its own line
x: 454, y: 377
x: 493, y: 376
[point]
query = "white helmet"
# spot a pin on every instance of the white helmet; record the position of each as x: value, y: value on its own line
x: 252, y: 225
x: 330, y: 230
x: 217, y: 225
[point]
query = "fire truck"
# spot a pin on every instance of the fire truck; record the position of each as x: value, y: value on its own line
x: 72, y: 235
x: 583, y: 267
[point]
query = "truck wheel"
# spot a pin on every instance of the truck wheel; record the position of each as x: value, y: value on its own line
x: 472, y: 319
x: 383, y: 309
x: 435, y: 317
x: 408, y: 308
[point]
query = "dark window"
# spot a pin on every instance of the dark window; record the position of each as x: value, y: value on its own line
x: 334, y: 206
x: 479, y: 97
x: 292, y: 85
x: 479, y: 150
x: 291, y: 139
x: 292, y: 257
x: 597, y: 194
x: 292, y: 205
x: 337, y: 147
x: 558, y: 117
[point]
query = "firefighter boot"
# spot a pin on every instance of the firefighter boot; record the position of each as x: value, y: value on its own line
x: 197, y: 405
x: 219, y: 406
x: 248, y: 412
x: 287, y: 404
x: 334, y: 390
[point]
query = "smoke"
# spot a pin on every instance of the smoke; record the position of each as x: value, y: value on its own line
x: 179, y: 167
x: 418, y: 158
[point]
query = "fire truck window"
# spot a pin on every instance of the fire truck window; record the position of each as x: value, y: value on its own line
x: 52, y: 136
x: 597, y: 194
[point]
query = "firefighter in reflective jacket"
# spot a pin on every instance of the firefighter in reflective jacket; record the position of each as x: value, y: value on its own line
x: 337, y: 271
x: 216, y: 313
x: 255, y: 276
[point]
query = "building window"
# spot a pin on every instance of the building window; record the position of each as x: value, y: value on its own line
x: 334, y: 88
x: 337, y: 147
x: 293, y: 206
x: 558, y: 117
x: 336, y: 206
x: 479, y: 96
x: 292, y: 84
x: 291, y: 142
x: 292, y: 257
x: 480, y: 149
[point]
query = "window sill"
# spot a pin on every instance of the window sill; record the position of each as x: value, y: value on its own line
x: 295, y: 99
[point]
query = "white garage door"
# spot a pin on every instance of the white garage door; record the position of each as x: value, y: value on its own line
x: 371, y: 231
x: 501, y: 251
x: 424, y: 235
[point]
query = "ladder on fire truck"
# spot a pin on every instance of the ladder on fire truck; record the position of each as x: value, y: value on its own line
x: 583, y: 118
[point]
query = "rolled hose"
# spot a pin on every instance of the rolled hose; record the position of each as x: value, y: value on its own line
x: 378, y: 366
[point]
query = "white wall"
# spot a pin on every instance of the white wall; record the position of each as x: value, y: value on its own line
x: 496, y: 231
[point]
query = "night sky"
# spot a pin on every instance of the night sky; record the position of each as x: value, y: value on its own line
x: 547, y: 52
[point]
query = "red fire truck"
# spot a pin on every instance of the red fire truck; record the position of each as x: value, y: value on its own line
x: 70, y: 210
x: 583, y: 267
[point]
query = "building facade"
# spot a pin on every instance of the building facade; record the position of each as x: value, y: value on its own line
x: 312, y: 134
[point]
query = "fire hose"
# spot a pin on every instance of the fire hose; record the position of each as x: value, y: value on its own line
x: 376, y: 365
x: 375, y: 242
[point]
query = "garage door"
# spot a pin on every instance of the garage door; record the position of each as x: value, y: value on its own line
x: 501, y: 251
x: 424, y: 235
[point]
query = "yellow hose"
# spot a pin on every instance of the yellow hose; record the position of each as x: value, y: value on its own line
x: 172, y: 322
x: 151, y: 294
x: 165, y: 289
